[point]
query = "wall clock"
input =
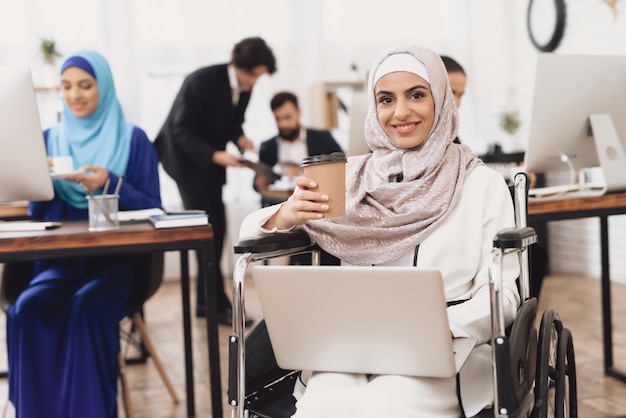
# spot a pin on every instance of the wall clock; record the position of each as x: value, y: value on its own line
x: 546, y: 23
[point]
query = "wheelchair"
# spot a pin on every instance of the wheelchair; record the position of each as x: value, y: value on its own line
x: 534, y: 370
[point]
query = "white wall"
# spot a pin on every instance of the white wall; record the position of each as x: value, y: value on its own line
x: 152, y: 44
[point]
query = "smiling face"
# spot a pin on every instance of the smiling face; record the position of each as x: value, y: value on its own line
x: 80, y: 91
x: 405, y: 108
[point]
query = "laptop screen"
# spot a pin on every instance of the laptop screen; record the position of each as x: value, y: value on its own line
x: 382, y: 320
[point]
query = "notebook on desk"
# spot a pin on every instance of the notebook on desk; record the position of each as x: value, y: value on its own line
x: 379, y: 320
x: 24, y: 226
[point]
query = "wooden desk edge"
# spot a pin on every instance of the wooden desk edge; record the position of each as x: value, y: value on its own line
x: 608, y: 201
x: 75, y: 235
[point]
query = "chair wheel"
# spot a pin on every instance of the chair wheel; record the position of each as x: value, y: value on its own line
x: 555, y: 385
x: 566, y: 403
x: 546, y: 375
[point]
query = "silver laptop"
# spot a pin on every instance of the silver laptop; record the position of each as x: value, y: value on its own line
x: 379, y: 320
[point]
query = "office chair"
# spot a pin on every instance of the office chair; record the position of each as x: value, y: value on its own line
x: 534, y: 371
x: 16, y: 276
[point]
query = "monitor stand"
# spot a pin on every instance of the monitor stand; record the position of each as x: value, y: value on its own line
x: 610, y: 152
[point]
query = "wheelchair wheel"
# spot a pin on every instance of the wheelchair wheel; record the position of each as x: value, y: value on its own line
x: 547, y: 374
x: 566, y: 403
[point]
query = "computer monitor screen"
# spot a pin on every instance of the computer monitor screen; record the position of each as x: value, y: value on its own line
x: 24, y: 172
x: 576, y: 98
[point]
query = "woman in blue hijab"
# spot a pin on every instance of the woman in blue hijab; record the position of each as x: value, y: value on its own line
x: 63, y: 330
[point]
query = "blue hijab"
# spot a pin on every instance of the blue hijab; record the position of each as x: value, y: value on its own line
x: 102, y: 138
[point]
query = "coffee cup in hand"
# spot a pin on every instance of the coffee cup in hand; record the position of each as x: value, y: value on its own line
x: 329, y: 172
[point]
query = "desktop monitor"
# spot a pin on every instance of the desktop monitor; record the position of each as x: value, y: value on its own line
x: 24, y: 173
x: 579, y: 116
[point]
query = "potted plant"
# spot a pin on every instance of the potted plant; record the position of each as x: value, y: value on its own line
x: 509, y: 122
x: 48, y: 49
x: 354, y: 71
x: 49, y: 77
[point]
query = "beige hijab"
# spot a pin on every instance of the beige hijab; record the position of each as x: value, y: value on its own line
x: 395, y: 198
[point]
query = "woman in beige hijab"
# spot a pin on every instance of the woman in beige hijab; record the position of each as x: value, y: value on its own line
x: 417, y: 199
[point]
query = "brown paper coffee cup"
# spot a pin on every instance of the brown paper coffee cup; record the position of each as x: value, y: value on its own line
x: 329, y: 172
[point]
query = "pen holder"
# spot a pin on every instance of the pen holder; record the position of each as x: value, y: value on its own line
x: 103, y: 210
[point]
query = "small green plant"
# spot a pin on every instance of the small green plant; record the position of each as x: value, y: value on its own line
x: 49, y: 50
x: 509, y: 122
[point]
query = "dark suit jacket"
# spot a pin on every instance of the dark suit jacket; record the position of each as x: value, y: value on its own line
x: 317, y: 142
x: 202, y: 120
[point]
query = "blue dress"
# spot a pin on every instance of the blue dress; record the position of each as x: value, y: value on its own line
x: 63, y: 331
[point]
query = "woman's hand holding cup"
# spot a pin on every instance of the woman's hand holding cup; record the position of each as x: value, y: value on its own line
x: 303, y: 205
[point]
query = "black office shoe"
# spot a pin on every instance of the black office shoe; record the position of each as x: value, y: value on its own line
x: 224, y: 317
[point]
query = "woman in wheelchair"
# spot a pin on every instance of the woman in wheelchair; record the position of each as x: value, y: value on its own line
x: 416, y: 199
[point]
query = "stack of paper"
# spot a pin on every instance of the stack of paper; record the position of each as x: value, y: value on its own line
x: 181, y: 219
x: 138, y: 215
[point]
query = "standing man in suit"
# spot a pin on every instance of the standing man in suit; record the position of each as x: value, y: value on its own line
x: 293, y: 142
x: 207, y: 113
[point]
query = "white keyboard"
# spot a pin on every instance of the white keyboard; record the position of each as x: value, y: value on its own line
x: 569, y: 189
x: 553, y: 190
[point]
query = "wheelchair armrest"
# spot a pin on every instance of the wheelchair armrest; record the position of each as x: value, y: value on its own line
x: 515, y: 238
x: 273, y: 242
